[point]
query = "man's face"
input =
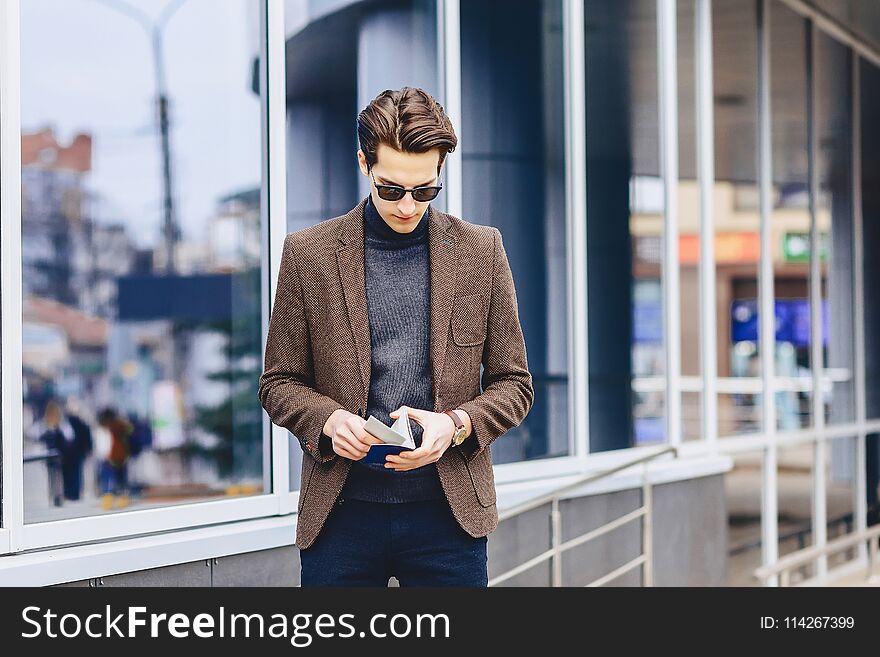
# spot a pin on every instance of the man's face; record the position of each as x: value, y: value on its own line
x: 407, y: 170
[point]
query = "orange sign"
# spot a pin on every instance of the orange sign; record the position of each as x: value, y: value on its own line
x: 730, y: 248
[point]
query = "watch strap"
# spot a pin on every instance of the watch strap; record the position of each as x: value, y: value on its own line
x: 457, y: 420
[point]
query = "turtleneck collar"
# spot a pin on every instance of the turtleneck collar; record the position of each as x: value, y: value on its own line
x: 377, y: 230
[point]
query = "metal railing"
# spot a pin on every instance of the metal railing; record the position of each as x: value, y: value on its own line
x: 784, y: 566
x: 557, y: 546
x: 799, y: 534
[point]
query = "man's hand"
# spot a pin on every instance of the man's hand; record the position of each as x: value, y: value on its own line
x: 438, y: 429
x: 349, y: 437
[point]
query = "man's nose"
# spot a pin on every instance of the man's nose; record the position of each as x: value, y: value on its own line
x: 407, y: 204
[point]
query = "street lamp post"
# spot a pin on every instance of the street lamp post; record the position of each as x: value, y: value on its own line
x: 170, y: 227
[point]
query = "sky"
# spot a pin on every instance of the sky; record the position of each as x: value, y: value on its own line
x: 86, y: 67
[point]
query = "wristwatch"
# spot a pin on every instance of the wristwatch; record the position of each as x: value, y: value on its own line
x: 460, y: 430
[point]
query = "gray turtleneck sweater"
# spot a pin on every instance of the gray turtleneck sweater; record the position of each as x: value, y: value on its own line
x: 398, y: 286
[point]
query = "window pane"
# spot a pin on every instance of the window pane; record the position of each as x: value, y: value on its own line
x: 141, y: 250
x: 835, y: 216
x: 869, y: 93
x: 737, y: 216
x: 624, y: 226
x: 791, y: 216
x: 335, y: 67
x: 870, y: 186
x: 513, y: 146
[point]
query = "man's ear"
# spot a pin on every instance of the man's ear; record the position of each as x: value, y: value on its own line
x: 362, y: 162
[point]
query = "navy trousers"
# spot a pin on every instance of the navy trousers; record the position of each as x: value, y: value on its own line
x: 419, y: 543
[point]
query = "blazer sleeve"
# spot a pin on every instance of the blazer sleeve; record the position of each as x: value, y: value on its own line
x: 507, y: 383
x: 286, y: 388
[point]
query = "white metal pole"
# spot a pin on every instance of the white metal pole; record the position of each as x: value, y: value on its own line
x: 668, y: 88
x: 767, y: 337
x: 449, y: 58
x: 647, y: 527
x: 574, y: 50
x: 556, y: 541
x: 706, y: 177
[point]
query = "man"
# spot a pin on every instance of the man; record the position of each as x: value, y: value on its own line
x: 70, y: 438
x: 396, y: 304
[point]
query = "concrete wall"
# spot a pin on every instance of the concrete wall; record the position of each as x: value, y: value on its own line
x: 276, y: 567
x: 690, y: 545
x: 690, y: 537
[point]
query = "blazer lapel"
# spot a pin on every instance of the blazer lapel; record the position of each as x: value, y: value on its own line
x: 350, y: 257
x: 443, y: 256
x: 442, y: 248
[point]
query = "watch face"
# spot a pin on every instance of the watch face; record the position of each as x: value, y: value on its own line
x: 458, y: 437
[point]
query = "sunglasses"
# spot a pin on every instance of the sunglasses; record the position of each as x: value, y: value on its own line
x: 396, y: 192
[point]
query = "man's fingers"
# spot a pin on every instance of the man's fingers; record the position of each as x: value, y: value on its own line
x: 360, y: 436
x: 369, y: 439
x: 360, y: 449
x: 401, y: 467
x: 409, y: 457
x: 342, y: 450
x: 353, y: 445
x: 415, y: 454
x: 353, y: 451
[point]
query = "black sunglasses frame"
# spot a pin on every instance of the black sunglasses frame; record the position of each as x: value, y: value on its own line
x: 399, y: 192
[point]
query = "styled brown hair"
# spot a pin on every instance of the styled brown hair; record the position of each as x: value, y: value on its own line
x: 408, y: 120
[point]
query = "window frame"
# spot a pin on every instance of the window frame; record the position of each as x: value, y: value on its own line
x: 18, y: 536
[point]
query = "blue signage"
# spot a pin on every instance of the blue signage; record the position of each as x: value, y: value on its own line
x: 792, y: 321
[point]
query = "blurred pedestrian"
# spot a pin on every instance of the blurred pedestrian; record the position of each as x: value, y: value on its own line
x: 70, y: 439
x: 113, y: 474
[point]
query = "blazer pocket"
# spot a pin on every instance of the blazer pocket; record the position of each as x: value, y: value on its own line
x: 468, y: 325
x: 482, y: 477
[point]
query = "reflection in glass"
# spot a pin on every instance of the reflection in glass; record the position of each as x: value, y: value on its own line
x: 141, y: 249
x: 624, y: 226
x: 791, y: 217
x: 835, y: 223
x: 736, y: 214
x: 513, y: 146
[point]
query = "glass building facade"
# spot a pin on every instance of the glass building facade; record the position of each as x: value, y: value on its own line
x: 685, y: 189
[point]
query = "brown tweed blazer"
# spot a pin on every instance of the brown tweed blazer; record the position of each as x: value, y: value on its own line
x: 318, y: 355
